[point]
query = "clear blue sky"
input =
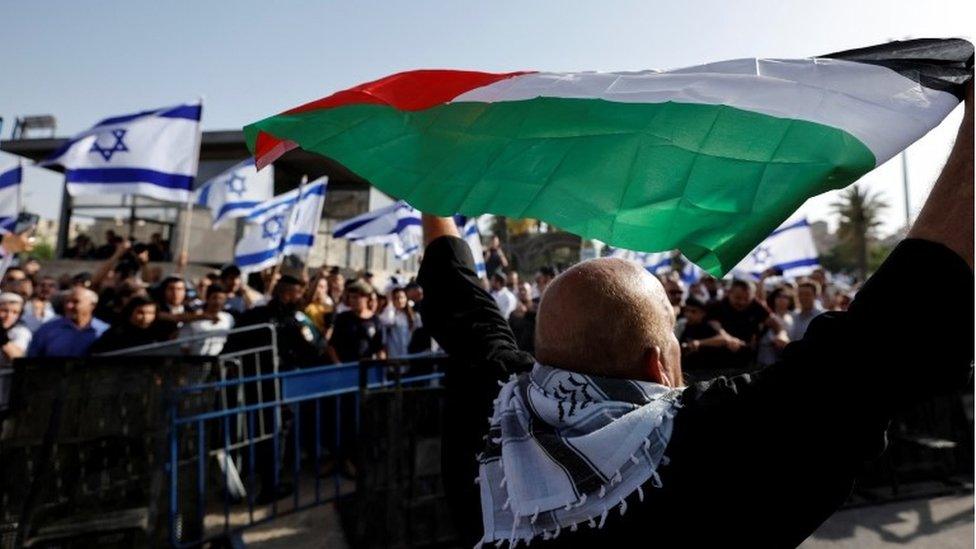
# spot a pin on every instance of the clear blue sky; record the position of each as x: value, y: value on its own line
x: 81, y: 61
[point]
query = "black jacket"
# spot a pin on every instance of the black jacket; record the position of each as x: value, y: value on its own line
x: 756, y: 460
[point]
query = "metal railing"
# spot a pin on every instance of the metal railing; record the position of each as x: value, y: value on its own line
x: 314, y: 422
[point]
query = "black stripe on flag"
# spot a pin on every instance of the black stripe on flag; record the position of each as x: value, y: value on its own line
x: 939, y: 64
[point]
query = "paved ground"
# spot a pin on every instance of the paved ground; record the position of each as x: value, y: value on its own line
x: 942, y: 523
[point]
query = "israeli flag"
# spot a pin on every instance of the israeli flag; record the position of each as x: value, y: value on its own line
x: 235, y: 192
x: 654, y: 262
x: 790, y: 248
x: 10, y: 178
x: 152, y: 153
x: 658, y: 263
x: 396, y: 225
x: 285, y: 225
x: 470, y: 234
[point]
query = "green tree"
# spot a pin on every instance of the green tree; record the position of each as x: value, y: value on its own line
x: 860, y: 217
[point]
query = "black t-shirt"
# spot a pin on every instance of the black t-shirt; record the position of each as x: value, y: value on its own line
x: 756, y: 460
x: 355, y: 338
x: 745, y: 324
x: 705, y: 358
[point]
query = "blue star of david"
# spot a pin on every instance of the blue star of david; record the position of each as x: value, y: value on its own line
x: 273, y: 227
x: 118, y: 146
x: 235, y: 184
x: 761, y: 255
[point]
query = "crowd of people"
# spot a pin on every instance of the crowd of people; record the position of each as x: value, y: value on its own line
x: 723, y: 325
x: 126, y: 301
x: 731, y: 325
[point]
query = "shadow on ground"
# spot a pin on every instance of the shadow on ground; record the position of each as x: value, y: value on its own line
x: 945, y: 522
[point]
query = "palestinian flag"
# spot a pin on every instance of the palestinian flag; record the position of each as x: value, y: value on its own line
x: 707, y: 159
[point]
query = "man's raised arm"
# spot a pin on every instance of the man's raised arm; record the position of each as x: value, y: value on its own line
x: 947, y: 217
x: 457, y: 310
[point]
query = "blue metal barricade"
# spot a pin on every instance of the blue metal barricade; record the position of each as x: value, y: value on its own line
x: 225, y: 476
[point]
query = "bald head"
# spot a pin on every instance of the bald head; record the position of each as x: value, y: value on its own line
x: 603, y: 317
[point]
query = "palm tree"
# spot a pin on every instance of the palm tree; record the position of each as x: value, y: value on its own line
x: 860, y: 216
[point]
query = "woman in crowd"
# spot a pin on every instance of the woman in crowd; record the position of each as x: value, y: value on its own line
x: 781, y: 305
x: 319, y: 305
x: 137, y: 326
x: 399, y: 323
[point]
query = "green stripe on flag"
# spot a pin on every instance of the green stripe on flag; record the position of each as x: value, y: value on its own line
x: 710, y: 180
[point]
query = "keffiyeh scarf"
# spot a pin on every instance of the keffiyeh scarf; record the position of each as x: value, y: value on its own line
x: 566, y: 448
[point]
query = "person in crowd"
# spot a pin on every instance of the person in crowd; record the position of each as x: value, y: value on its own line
x: 495, y: 259
x: 212, y: 319
x: 112, y: 242
x: 238, y: 300
x: 808, y: 298
x: 297, y: 341
x: 11, y: 277
x: 139, y: 325
x: 113, y: 300
x: 72, y: 334
x: 32, y: 267
x: 704, y: 348
x: 740, y: 316
x: 319, y: 307
x: 757, y: 460
x: 512, y: 281
x: 83, y: 248
x: 199, y: 300
x: 158, y: 248
x: 676, y: 293
x: 772, y: 342
x: 842, y: 300
x: 714, y: 288
x: 40, y: 308
x: 23, y: 287
x: 504, y: 297
x: 337, y: 285
x: 171, y: 298
x: 15, y: 338
x: 421, y: 340
x: 357, y: 333
x: 522, y: 319
x: 542, y: 279
x: 399, y: 323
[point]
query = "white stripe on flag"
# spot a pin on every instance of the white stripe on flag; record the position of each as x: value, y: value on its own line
x: 236, y: 191
x: 151, y: 154
x: 790, y: 248
x: 396, y: 225
x: 286, y: 225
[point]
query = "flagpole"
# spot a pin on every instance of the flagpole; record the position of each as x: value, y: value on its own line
x: 184, y: 255
x: 20, y: 187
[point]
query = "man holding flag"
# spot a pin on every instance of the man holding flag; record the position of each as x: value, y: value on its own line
x: 595, y: 440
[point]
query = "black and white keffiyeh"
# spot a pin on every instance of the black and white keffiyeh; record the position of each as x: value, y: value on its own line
x: 566, y: 448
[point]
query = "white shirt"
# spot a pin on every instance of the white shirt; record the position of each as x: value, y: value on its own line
x: 210, y: 346
x: 20, y: 336
x: 505, y: 300
x: 397, y: 331
x: 34, y: 322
